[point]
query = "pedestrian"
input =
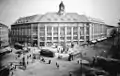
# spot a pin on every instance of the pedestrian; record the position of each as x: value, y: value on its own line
x: 69, y: 57
x: 70, y: 74
x: 72, y: 57
x: 43, y: 59
x: 93, y: 63
x: 49, y: 62
x: 12, y: 68
x: 57, y: 65
x: 78, y: 61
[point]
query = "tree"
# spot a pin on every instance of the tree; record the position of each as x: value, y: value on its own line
x: 113, y: 33
x: 114, y: 51
x: 1, y: 43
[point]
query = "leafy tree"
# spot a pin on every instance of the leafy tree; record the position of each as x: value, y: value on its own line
x: 113, y: 33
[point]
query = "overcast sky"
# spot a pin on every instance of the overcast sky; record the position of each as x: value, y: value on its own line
x: 107, y: 10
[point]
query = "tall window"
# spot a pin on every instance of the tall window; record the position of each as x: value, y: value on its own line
x: 75, y: 37
x: 81, y: 30
x: 35, y: 29
x: 87, y: 30
x: 62, y: 38
x: 68, y: 38
x: 49, y: 30
x: 62, y: 31
x: 68, y: 30
x: 55, y: 30
x: 82, y: 37
x: 49, y: 38
x: 75, y: 29
x: 42, y: 38
x: 42, y: 31
x: 55, y: 38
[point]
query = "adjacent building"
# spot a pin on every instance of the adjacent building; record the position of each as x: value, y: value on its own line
x: 57, y: 28
x: 4, y: 40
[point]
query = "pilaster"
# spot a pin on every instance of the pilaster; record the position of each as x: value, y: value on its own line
x: 45, y: 35
x: 84, y: 32
x: 38, y: 34
x: 72, y: 34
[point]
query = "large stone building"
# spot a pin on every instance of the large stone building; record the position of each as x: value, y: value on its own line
x: 3, y: 35
x: 56, y: 28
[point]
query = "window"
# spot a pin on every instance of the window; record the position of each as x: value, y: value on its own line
x: 42, y: 31
x: 87, y: 38
x: 81, y: 30
x: 55, y: 30
x: 49, y: 19
x: 62, y: 38
x: 68, y: 30
x: 68, y: 38
x: 49, y: 38
x: 62, y: 31
x: 49, y: 30
x: 42, y: 28
x: 35, y: 29
x: 75, y: 37
x: 55, y: 38
x: 87, y: 30
x: 75, y: 29
x: 49, y: 43
x: 62, y: 19
x: 74, y: 19
x: 68, y: 19
x: 82, y: 37
x: 42, y: 38
x: 55, y: 19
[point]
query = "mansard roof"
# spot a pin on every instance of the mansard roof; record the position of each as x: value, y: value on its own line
x: 55, y: 17
x: 67, y: 17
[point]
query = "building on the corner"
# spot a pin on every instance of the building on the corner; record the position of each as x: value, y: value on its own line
x: 3, y: 35
x: 57, y: 28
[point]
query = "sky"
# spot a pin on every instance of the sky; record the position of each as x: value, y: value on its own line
x: 107, y: 10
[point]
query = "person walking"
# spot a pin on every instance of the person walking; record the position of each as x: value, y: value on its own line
x: 12, y: 69
x: 57, y: 65
x: 93, y: 62
x: 72, y: 57
x: 49, y: 62
x: 43, y: 59
x: 70, y: 73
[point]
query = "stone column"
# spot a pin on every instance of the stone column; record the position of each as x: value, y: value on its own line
x: 78, y: 34
x: 31, y: 34
x: 38, y: 34
x: 72, y: 34
x: 93, y: 31
x: 52, y: 34
x: 45, y: 35
x: 58, y: 33
x: 90, y: 32
x: 65, y: 34
x: 84, y: 32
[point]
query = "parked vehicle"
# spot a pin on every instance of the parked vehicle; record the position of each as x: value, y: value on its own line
x: 47, y: 52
